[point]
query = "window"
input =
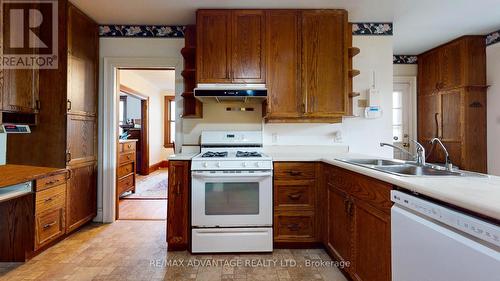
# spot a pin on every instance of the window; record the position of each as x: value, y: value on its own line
x: 123, y: 110
x: 397, y: 115
x: 169, y: 132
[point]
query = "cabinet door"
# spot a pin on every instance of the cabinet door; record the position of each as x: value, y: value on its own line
x: 339, y: 223
x: 81, y: 196
x: 19, y: 90
x: 178, y: 205
x: 451, y: 65
x: 81, y: 139
x: 82, y: 63
x: 372, y: 243
x: 324, y: 62
x: 429, y: 122
x: 213, y: 45
x: 428, y: 72
x: 248, y: 63
x: 282, y: 65
x: 452, y: 105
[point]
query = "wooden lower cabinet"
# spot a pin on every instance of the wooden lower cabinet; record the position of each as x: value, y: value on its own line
x: 81, y: 195
x: 178, y: 214
x: 358, y: 219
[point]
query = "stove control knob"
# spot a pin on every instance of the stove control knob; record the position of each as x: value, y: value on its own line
x: 205, y: 164
x: 257, y: 164
x: 244, y: 164
x: 218, y: 164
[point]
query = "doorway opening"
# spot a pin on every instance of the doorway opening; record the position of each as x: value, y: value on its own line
x: 404, y: 121
x: 146, y: 130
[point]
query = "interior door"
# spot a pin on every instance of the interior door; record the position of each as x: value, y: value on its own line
x: 401, y: 119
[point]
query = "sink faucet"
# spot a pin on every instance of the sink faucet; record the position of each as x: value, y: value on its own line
x: 448, y: 164
x: 419, y: 157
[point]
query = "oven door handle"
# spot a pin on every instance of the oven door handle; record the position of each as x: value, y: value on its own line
x: 232, y: 175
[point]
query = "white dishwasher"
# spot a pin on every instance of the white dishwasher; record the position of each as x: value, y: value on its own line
x: 431, y: 242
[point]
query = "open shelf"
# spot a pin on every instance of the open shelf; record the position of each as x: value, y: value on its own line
x: 352, y: 51
x: 353, y: 73
x: 353, y: 94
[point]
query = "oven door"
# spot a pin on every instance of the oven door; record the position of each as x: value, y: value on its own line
x: 231, y: 198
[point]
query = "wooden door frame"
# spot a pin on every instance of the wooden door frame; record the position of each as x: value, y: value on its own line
x: 108, y: 122
x: 144, y: 165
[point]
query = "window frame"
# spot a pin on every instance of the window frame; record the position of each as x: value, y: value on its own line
x: 166, y: 122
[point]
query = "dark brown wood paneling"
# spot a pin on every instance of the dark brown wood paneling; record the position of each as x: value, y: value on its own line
x: 213, y: 60
x: 248, y: 43
x: 178, y: 214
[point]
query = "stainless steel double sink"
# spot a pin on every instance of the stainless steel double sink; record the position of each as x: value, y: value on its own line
x: 406, y: 168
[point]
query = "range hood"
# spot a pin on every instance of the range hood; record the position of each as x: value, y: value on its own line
x: 250, y: 93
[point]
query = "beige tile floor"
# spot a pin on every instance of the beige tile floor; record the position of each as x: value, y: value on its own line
x: 136, y: 250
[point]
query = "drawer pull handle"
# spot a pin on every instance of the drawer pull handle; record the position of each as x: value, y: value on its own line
x: 295, y: 173
x: 129, y: 146
x: 51, y: 182
x: 295, y: 196
x: 293, y: 226
x: 49, y: 225
x: 49, y: 199
x: 128, y: 157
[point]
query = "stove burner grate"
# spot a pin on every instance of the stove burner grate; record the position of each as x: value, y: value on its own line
x: 211, y: 154
x: 248, y: 154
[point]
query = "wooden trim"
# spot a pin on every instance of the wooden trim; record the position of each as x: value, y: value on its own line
x: 132, y: 92
x: 159, y: 165
x: 144, y: 147
x: 147, y: 68
x: 166, y: 122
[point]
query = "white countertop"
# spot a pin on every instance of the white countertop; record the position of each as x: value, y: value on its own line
x: 182, y: 156
x: 477, y: 194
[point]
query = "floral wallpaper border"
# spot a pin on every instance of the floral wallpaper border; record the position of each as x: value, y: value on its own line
x: 404, y: 59
x: 493, y: 38
x: 144, y: 31
x: 372, y: 28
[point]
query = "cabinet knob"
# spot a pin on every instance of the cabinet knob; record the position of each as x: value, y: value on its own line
x: 294, y: 196
x: 293, y: 226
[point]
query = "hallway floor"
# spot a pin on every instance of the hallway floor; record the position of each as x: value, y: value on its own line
x: 136, y: 250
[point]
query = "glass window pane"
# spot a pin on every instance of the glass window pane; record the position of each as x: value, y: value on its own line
x: 232, y: 198
x: 172, y: 110
x: 172, y: 132
x: 397, y: 131
x: 397, y: 99
x: 397, y: 116
x: 121, y: 112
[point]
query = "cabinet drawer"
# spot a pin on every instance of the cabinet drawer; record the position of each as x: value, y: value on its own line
x: 294, y: 170
x: 294, y: 226
x: 372, y: 191
x: 50, y: 199
x: 126, y: 157
x: 294, y: 194
x: 125, y: 184
x: 127, y: 146
x: 49, y: 226
x: 51, y: 181
x: 125, y: 170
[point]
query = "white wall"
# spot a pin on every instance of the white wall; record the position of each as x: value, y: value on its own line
x: 3, y: 148
x: 362, y: 135
x: 493, y: 101
x: 157, y: 152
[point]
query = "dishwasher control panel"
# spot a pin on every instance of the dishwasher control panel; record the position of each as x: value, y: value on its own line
x: 480, y: 229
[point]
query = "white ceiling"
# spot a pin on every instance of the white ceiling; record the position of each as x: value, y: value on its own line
x: 163, y: 80
x: 419, y: 25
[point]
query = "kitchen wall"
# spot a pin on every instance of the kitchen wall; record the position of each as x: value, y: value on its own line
x: 362, y: 135
x: 405, y: 69
x: 493, y: 115
x: 3, y: 148
x: 157, y: 152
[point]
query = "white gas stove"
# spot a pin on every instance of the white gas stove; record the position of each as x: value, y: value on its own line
x: 231, y: 194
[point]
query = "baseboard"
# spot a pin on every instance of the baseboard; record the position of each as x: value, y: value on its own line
x: 159, y: 165
x: 99, y: 216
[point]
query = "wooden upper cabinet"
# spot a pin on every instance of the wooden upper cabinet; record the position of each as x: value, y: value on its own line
x: 82, y: 63
x: 19, y: 90
x: 283, y: 64
x: 324, y: 62
x: 450, y: 60
x: 428, y: 73
x: 248, y: 42
x: 213, y: 47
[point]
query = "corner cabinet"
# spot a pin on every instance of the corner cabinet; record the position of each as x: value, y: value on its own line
x: 358, y: 223
x: 307, y: 65
x: 230, y: 46
x: 178, y: 213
